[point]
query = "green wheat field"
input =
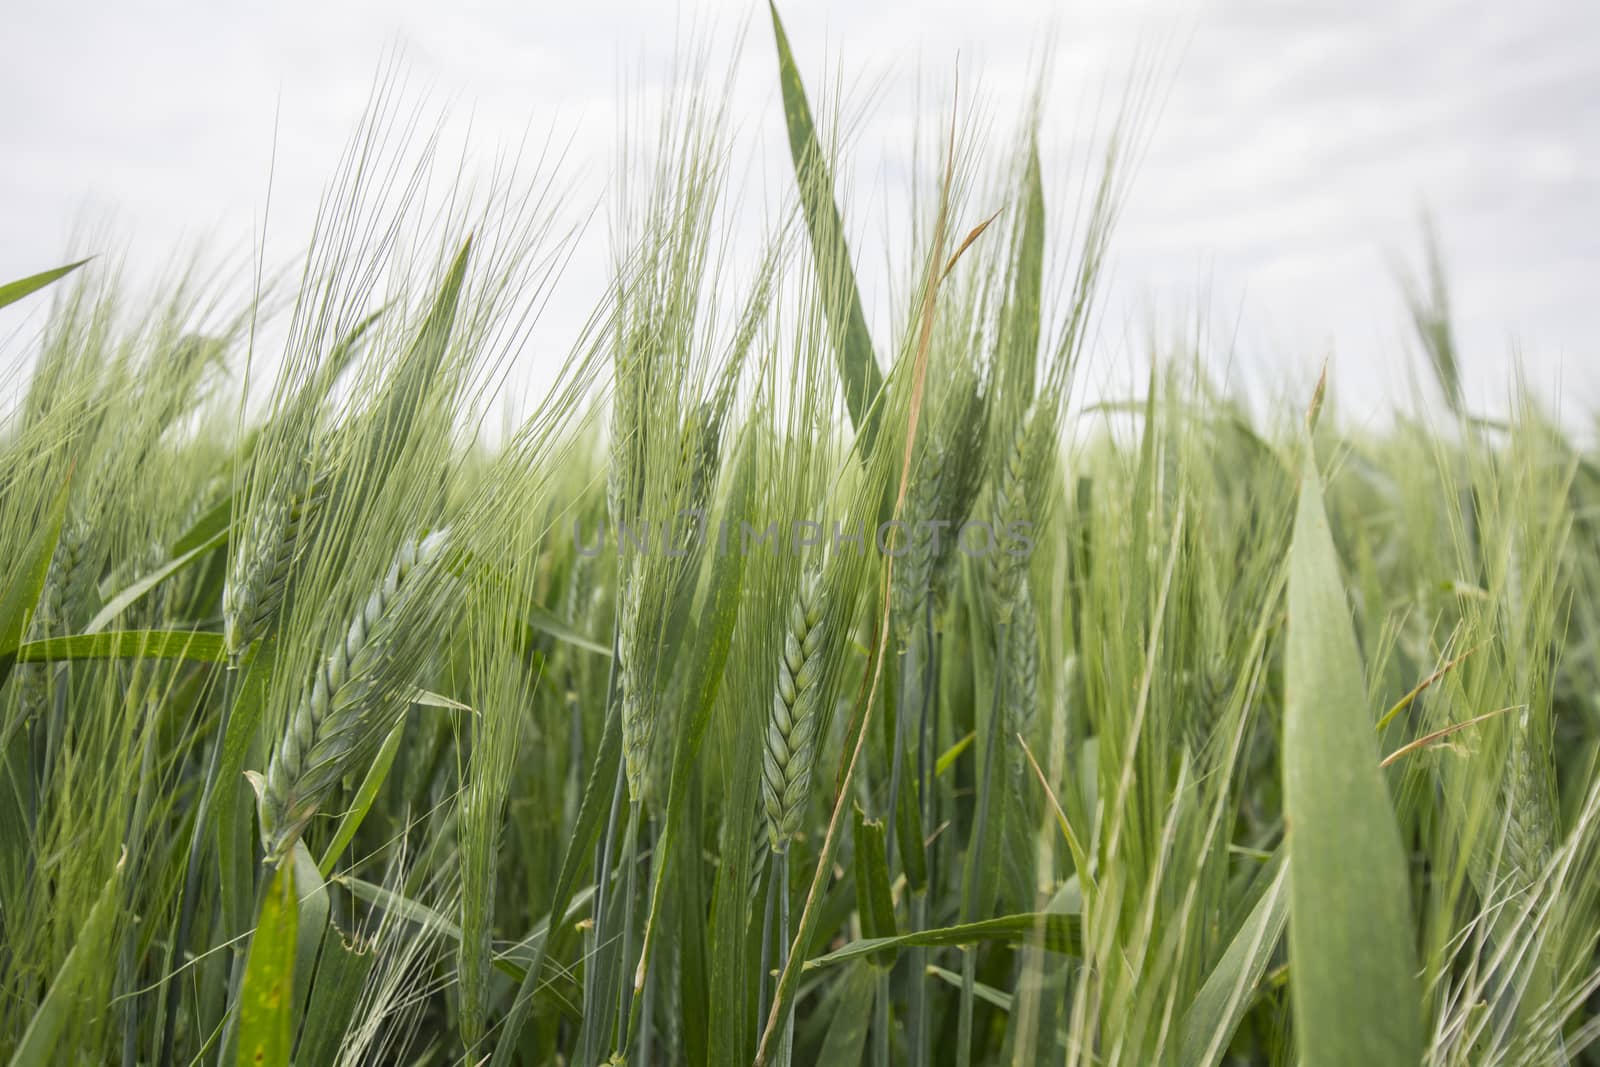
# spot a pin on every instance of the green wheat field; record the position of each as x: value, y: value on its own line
x: 771, y: 689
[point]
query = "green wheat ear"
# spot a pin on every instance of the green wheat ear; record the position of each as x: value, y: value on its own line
x: 349, y: 704
x: 260, y: 572
x: 792, y: 726
x: 1008, y: 567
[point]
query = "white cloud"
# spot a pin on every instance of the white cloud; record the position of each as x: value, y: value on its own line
x: 1294, y: 148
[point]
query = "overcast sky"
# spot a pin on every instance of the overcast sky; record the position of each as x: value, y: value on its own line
x: 1283, y: 181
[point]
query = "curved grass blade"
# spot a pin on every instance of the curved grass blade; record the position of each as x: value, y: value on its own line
x: 841, y: 298
x: 1209, y: 1024
x: 356, y: 813
x: 215, y: 521
x: 1057, y: 932
x: 119, y: 603
x: 11, y: 292
x: 1351, y: 943
x: 986, y: 993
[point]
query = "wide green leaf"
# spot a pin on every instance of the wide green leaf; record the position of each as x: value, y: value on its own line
x: 203, y: 647
x: 266, y: 997
x: 841, y: 298
x: 1352, y: 948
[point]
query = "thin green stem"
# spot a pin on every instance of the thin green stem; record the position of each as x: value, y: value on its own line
x: 195, y: 863
x: 977, y: 851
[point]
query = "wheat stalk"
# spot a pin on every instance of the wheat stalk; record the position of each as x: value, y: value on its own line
x: 792, y: 728
x: 345, y: 709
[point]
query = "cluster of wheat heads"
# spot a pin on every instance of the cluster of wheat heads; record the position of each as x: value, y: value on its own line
x: 789, y: 687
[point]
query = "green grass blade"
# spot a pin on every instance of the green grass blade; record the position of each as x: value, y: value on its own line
x: 1209, y: 1024
x: 235, y: 848
x: 341, y: 976
x: 399, y: 904
x: 404, y: 402
x: 11, y: 292
x: 311, y: 895
x: 591, y: 813
x: 1060, y: 933
x: 873, y: 897
x: 984, y: 992
x: 215, y: 521
x: 558, y: 628
x: 128, y: 644
x: 847, y: 324
x: 38, y: 1046
x: 356, y: 813
x: 1023, y: 310
x: 266, y: 1001
x: 25, y: 578
x: 119, y: 603
x: 1351, y: 943
x: 847, y: 1031
x: 708, y: 657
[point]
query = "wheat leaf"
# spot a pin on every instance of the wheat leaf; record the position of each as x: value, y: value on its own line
x: 1351, y: 943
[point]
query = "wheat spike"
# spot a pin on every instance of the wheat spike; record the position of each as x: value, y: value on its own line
x: 1007, y: 568
x: 64, y: 604
x: 259, y: 575
x: 792, y: 728
x: 1020, y: 708
x: 69, y: 584
x: 638, y: 719
x: 1528, y: 808
x: 948, y: 476
x: 346, y: 708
